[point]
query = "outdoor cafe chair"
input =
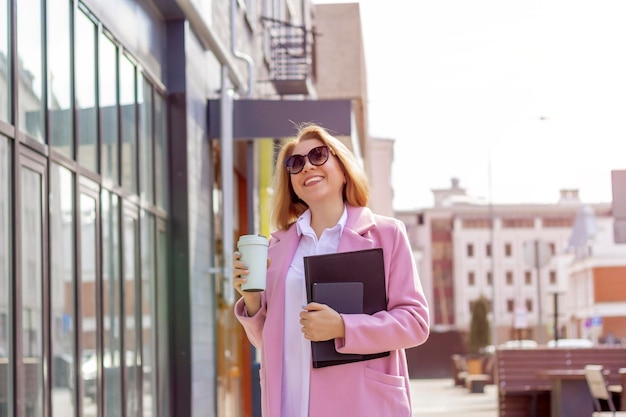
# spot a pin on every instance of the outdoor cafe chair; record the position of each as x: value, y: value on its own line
x: 599, y: 391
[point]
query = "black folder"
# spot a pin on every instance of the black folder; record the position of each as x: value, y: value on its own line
x: 364, y: 266
x: 344, y: 297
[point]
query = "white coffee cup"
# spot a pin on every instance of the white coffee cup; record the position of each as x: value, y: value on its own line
x: 253, y: 249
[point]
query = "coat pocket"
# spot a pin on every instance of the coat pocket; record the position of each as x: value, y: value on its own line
x: 386, y: 394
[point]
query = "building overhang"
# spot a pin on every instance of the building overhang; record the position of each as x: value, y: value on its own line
x: 281, y: 118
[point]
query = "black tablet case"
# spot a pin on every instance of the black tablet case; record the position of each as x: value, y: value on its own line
x: 363, y: 266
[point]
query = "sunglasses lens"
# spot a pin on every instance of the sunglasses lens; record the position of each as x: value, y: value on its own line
x: 294, y: 164
x: 318, y: 155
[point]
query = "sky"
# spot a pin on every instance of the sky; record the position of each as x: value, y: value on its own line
x: 518, y: 99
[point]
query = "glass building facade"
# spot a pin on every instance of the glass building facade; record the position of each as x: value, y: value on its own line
x: 83, y: 218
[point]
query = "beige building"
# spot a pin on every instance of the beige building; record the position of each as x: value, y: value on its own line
x: 523, y: 263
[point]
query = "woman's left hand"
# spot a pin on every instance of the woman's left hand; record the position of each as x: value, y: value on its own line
x: 320, y: 322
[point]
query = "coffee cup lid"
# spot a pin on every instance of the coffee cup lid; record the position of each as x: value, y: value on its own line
x: 252, y: 240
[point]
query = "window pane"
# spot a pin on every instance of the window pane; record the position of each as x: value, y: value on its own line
x: 88, y: 220
x: 146, y: 139
x: 161, y: 168
x: 111, y: 305
x: 85, y: 64
x: 62, y: 290
x: 59, y: 81
x: 148, y: 314
x: 6, y: 270
x: 30, y: 67
x: 131, y: 345
x: 129, y: 125
x: 32, y: 277
x: 5, y: 63
x: 162, y: 376
x: 108, y: 108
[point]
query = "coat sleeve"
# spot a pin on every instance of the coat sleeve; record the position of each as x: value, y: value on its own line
x: 253, y: 326
x: 406, y: 323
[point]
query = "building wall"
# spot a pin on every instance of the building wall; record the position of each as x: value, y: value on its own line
x: 521, y: 292
x: 340, y: 70
x: 380, y: 159
x: 609, y: 284
x: 595, y: 304
x: 340, y: 64
x: 584, y: 288
x: 418, y: 230
x: 203, y: 301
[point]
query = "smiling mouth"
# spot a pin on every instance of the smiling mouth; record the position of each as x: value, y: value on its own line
x: 313, y: 180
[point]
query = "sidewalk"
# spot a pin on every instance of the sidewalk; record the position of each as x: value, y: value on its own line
x: 439, y: 397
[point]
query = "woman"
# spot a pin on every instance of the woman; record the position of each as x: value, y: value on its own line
x: 319, y: 206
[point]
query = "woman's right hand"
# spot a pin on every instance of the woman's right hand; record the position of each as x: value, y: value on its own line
x: 240, y: 271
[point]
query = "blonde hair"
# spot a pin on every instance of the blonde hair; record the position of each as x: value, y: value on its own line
x: 286, y: 207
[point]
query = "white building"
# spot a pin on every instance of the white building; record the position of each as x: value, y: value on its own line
x: 461, y: 256
x: 595, y: 305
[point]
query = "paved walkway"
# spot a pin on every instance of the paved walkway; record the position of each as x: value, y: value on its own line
x: 439, y: 397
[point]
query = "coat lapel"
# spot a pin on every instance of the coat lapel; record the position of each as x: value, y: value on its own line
x: 355, y: 235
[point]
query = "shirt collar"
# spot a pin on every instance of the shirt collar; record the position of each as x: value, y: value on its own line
x: 303, y: 224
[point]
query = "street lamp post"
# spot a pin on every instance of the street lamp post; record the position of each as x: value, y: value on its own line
x: 555, y: 323
x: 537, y: 254
x: 494, y: 324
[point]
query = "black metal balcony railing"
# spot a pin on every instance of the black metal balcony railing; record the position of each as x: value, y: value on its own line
x: 291, y: 58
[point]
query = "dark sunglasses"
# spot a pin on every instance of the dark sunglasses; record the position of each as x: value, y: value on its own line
x: 316, y: 156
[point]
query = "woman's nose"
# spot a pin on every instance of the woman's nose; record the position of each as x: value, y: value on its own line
x: 307, y: 164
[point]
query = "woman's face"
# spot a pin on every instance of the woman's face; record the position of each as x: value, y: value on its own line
x: 317, y: 184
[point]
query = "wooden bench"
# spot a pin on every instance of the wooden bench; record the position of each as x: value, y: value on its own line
x: 459, y: 369
x: 521, y: 390
x: 474, y: 382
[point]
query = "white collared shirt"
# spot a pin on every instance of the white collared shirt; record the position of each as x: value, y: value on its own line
x: 297, y: 350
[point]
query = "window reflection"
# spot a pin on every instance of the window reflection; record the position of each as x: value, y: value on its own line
x: 148, y: 280
x: 111, y: 304
x: 131, y: 344
x: 162, y: 377
x: 62, y: 290
x: 5, y: 63
x: 29, y: 54
x: 108, y: 108
x: 89, y: 357
x: 5, y: 270
x: 129, y: 124
x: 32, y: 276
x: 145, y: 146
x: 59, y: 87
x: 85, y: 64
x: 160, y: 154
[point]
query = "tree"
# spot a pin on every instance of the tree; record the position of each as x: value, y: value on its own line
x: 480, y: 332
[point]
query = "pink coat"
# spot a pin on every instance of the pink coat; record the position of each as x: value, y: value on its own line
x: 374, y: 388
